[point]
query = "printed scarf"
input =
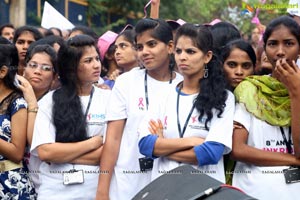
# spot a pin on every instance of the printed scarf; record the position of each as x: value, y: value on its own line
x: 266, y: 98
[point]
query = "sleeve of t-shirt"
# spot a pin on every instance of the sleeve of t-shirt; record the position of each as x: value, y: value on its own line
x: 209, y: 153
x: 242, y: 116
x: 221, y: 128
x: 117, y: 106
x: 146, y: 145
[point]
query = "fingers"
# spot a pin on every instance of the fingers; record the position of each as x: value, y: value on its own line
x: 284, y: 69
x: 151, y: 130
x: 155, y: 127
x: 288, y: 65
x: 295, y: 66
x: 160, y: 125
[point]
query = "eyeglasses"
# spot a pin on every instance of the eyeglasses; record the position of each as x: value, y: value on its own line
x: 43, y: 67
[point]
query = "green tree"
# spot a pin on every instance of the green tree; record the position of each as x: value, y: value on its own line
x: 106, y: 10
x: 194, y: 11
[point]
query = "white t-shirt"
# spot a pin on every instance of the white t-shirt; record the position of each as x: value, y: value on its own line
x: 128, y: 102
x: 220, y: 130
x: 50, y: 177
x: 268, y: 182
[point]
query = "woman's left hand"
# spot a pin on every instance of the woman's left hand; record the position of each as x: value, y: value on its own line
x: 156, y: 128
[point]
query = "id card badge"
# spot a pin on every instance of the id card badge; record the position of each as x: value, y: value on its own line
x: 73, y: 177
x: 292, y: 175
x: 146, y: 164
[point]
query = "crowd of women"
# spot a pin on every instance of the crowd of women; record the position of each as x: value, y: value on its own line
x: 84, y: 117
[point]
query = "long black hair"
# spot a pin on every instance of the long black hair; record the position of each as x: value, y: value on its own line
x: 212, y: 94
x: 68, y: 116
x: 9, y: 58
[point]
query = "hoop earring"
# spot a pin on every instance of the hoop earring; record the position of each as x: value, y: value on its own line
x: 205, y: 71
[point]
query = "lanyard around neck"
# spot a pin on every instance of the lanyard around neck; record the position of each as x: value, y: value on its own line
x: 146, y: 90
x: 287, y: 143
x: 146, y: 87
x: 181, y: 133
x: 89, y: 103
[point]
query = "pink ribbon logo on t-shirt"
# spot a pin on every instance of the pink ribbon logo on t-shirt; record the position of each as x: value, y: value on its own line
x: 194, y: 119
x: 165, y: 122
x: 141, y: 105
x: 88, y: 117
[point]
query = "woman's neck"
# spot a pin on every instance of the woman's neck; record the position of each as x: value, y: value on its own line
x: 161, y: 75
x: 130, y: 66
x: 40, y: 94
x: 21, y: 68
x: 85, y: 90
x: 190, y: 86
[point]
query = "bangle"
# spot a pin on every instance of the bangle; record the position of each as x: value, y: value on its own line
x: 34, y: 110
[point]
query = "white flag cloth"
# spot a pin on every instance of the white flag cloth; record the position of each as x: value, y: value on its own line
x: 52, y: 18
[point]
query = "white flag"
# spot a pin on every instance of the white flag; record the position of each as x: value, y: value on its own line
x: 52, y: 18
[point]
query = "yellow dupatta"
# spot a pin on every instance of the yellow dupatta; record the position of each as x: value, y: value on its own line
x: 266, y: 98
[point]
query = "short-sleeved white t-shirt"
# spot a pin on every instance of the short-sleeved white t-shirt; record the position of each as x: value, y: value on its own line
x: 50, y: 177
x: 128, y: 102
x: 262, y: 182
x: 220, y: 130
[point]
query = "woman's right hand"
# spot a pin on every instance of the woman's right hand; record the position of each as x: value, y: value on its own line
x: 288, y: 73
x: 156, y: 128
x: 27, y: 90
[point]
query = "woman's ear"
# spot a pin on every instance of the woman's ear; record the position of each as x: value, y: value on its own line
x: 208, y: 57
x: 3, y: 72
x: 171, y: 47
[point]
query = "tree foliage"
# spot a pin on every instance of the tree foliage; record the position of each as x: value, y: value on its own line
x: 194, y: 11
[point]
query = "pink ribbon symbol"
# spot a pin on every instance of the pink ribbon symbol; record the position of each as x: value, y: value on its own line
x: 194, y: 119
x: 141, y: 102
x: 165, y: 121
